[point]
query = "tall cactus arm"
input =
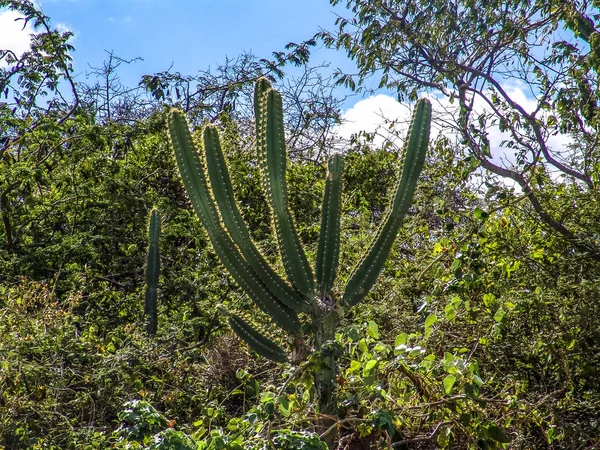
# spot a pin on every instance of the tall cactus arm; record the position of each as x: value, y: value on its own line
x: 194, y: 181
x: 152, y: 273
x: 285, y: 317
x: 222, y: 190
x: 191, y: 171
x: 414, y: 158
x: 366, y: 272
x: 273, y: 165
x: 329, y: 238
x: 260, y: 106
x: 257, y: 342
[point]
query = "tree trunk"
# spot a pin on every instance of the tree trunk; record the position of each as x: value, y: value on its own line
x: 6, y: 222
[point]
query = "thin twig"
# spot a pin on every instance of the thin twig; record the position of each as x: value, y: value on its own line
x: 421, y: 438
x: 340, y: 423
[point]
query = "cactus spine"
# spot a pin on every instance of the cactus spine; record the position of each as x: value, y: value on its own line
x: 281, y: 299
x: 152, y: 273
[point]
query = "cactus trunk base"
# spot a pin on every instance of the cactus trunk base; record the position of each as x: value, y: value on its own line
x: 325, y: 320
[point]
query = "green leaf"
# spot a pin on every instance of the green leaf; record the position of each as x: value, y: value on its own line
x: 416, y: 351
x: 497, y: 434
x: 431, y: 319
x: 450, y: 311
x: 373, y: 330
x: 402, y: 338
x: 369, y: 366
x: 489, y: 300
x: 284, y: 405
x: 267, y: 397
x: 500, y: 313
x: 480, y: 214
x: 449, y: 383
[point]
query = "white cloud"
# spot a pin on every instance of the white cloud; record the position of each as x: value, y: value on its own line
x: 374, y: 113
x: 12, y: 34
x: 63, y: 27
x: 370, y: 114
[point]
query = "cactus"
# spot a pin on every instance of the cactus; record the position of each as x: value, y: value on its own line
x: 259, y: 343
x: 366, y: 272
x: 328, y: 251
x: 281, y: 299
x: 272, y: 160
x: 152, y: 273
x: 245, y: 276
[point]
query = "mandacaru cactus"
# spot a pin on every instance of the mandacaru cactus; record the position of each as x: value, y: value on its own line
x: 206, y: 179
x: 152, y: 273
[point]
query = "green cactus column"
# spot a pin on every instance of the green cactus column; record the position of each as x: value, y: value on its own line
x: 328, y: 252
x: 206, y: 179
x: 325, y: 318
x: 367, y: 270
x: 152, y: 273
x: 228, y: 252
x: 272, y: 157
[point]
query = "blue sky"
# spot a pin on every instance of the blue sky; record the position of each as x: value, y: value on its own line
x: 190, y: 34
x: 194, y: 35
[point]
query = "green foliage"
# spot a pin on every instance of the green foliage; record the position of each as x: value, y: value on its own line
x: 463, y: 52
x: 139, y: 420
x: 543, y: 346
x: 143, y: 427
x: 152, y: 273
x: 480, y: 331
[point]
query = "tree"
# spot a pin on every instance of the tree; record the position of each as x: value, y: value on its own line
x: 465, y: 52
x: 25, y: 82
x: 109, y: 98
x: 308, y: 96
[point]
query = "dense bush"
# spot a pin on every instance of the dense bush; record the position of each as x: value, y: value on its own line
x: 485, y: 332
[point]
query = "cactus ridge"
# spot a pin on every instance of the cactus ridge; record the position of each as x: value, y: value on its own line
x: 367, y: 270
x: 260, y: 107
x: 245, y: 277
x: 273, y: 166
x: 194, y: 180
x: 152, y: 273
x: 413, y: 161
x: 257, y: 342
x: 191, y: 169
x: 329, y: 235
x: 222, y: 190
